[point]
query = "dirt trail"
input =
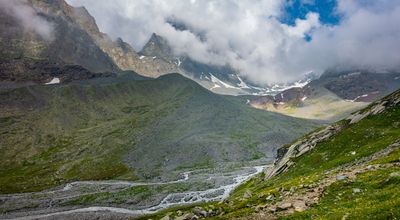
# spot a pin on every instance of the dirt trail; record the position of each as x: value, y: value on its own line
x: 300, y: 200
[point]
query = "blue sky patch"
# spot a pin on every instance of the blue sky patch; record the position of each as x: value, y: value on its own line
x: 295, y: 9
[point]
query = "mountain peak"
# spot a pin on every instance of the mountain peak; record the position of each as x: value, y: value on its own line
x: 157, y: 46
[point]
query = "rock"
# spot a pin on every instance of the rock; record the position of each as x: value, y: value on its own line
x: 211, y: 213
x: 293, y: 189
x: 395, y: 174
x: 166, y: 218
x: 299, y: 206
x: 290, y: 211
x: 188, y: 216
x: 199, y: 211
x: 269, y: 198
x: 259, y: 208
x: 247, y: 195
x: 341, y: 177
x: 285, y: 206
x: 179, y: 213
x: 370, y: 167
x: 356, y: 190
x: 271, y: 209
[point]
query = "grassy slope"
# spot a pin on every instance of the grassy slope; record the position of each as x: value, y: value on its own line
x: 127, y: 130
x: 379, y: 197
x: 365, y: 138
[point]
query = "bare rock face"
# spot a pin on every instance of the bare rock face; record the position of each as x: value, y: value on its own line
x: 299, y: 148
x: 376, y: 108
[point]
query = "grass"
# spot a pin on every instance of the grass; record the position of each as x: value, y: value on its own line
x: 379, y: 197
x: 365, y: 138
x: 50, y: 135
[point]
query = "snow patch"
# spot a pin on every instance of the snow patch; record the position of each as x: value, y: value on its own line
x: 216, y: 81
x: 360, y: 96
x: 242, y: 84
x: 55, y: 80
x: 178, y: 61
x: 142, y: 57
x: 215, y: 86
x: 304, y: 98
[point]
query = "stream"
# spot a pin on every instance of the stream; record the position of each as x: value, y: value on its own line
x: 172, y: 199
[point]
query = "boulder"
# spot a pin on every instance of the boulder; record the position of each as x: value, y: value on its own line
x: 395, y: 174
x: 285, y: 205
x: 188, y: 216
x: 199, y: 211
x: 299, y: 205
x: 271, y: 209
x: 247, y: 195
x: 166, y: 218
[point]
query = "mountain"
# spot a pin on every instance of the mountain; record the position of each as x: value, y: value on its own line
x: 347, y: 170
x: 75, y: 40
x: 129, y: 129
x: 332, y: 96
x: 69, y: 45
x: 219, y: 79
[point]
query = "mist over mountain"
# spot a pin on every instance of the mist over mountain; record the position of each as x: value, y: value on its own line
x: 187, y: 110
x: 251, y: 36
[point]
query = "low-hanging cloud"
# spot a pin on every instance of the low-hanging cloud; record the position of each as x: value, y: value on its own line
x: 249, y: 36
x: 28, y: 17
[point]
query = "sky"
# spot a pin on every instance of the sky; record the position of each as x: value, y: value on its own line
x: 267, y: 41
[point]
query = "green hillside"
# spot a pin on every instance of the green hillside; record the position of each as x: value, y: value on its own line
x: 126, y: 129
x: 353, y: 174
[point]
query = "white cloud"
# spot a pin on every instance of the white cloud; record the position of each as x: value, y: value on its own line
x: 28, y: 17
x: 248, y: 35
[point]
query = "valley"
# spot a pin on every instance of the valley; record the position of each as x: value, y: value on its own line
x: 124, y: 198
x: 182, y: 122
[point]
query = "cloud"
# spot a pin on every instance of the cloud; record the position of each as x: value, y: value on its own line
x: 28, y: 17
x: 249, y: 35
